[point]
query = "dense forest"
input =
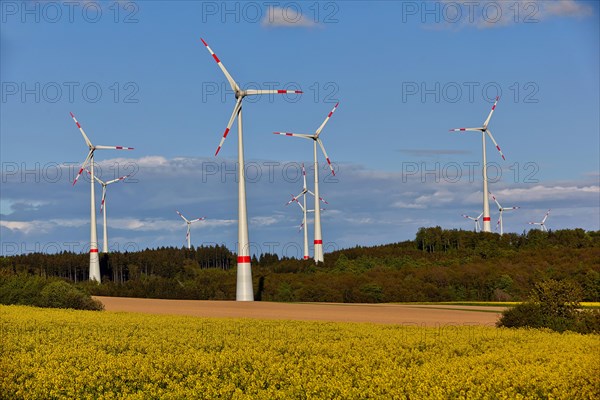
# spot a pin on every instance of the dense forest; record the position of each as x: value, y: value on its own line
x: 439, y: 265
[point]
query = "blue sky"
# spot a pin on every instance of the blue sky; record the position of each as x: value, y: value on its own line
x: 136, y: 74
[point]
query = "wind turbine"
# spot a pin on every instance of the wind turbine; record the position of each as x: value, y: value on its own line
x: 318, y: 241
x: 94, y: 261
x: 484, y: 130
x: 244, y: 290
x: 189, y: 226
x: 304, y: 209
x: 476, y: 220
x: 501, y: 210
x: 103, y: 207
x: 543, y: 223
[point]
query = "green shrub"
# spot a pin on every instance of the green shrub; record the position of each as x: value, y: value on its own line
x: 32, y: 290
x: 60, y: 294
x: 523, y: 315
x: 554, y: 305
x: 588, y: 321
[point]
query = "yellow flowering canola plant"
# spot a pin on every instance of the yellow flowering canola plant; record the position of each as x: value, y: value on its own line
x: 55, y: 354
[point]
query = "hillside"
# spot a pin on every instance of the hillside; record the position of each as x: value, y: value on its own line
x: 439, y: 265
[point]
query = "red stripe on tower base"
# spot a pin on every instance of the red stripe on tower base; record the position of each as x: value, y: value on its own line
x: 306, y: 257
x: 318, y: 242
x: 486, y: 219
x: 243, y: 259
x: 93, y: 250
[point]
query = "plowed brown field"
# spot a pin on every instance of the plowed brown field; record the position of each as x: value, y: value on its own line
x: 421, y: 315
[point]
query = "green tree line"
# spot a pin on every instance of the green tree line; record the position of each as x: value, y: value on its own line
x: 438, y: 265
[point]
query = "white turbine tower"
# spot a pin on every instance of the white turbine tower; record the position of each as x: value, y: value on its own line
x: 189, y: 227
x: 103, y: 207
x: 94, y: 261
x: 543, y: 223
x: 484, y: 130
x: 318, y: 241
x: 304, y: 209
x: 476, y: 220
x: 501, y: 210
x: 244, y: 291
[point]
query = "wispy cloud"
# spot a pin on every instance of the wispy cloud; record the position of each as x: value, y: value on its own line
x: 565, y: 8
x: 452, y: 14
x: 365, y: 206
x: 288, y: 17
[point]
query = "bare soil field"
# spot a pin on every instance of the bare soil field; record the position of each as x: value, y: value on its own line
x: 406, y: 314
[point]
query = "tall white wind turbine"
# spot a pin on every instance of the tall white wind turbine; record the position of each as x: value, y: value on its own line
x: 304, y: 209
x: 476, y: 220
x: 244, y: 291
x: 501, y: 210
x: 89, y: 160
x: 543, y: 223
x: 318, y: 241
x: 103, y: 207
x: 189, y: 227
x: 484, y: 130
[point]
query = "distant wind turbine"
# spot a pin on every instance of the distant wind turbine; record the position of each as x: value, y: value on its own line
x: 501, y: 210
x: 476, y: 220
x: 542, y: 224
x: 484, y: 130
x: 189, y: 226
x: 89, y: 160
x: 304, y: 209
x: 103, y: 207
x: 318, y: 241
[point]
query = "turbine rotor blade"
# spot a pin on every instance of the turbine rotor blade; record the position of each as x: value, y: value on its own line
x: 236, y: 110
x: 496, y: 201
x: 320, y: 198
x: 304, y: 177
x: 232, y: 83
x: 487, y: 121
x: 197, y: 219
x: 546, y: 216
x: 253, y: 92
x: 302, y: 135
x: 100, y: 181
x: 495, y: 144
x: 85, y: 163
x: 87, y: 140
x: 182, y: 217
x: 471, y: 218
x: 326, y: 120
x: 103, y: 198
x: 466, y: 129
x: 117, y: 180
x: 113, y: 148
x: 326, y: 156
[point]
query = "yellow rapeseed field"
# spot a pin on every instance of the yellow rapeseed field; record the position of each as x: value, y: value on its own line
x: 53, y: 354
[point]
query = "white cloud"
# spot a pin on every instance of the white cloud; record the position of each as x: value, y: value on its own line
x: 42, y: 226
x: 288, y: 17
x: 566, y: 8
x: 549, y: 193
x: 264, y: 220
x: 402, y: 204
x: 157, y: 225
x: 379, y: 206
x: 496, y: 14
